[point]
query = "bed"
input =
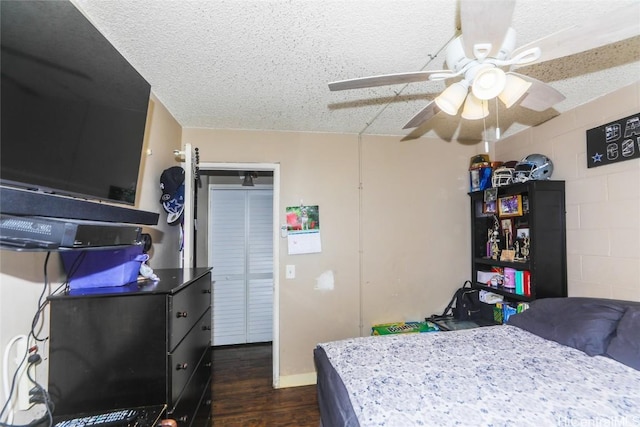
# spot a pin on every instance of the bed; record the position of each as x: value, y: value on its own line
x: 564, y: 362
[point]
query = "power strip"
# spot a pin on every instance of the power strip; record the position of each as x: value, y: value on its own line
x: 23, y: 384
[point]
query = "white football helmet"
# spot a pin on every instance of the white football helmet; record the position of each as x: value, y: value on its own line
x: 533, y: 167
x: 504, y: 174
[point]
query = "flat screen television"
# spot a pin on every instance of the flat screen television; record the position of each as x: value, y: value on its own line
x: 73, y: 109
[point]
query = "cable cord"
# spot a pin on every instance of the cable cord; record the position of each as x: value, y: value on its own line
x: 39, y: 394
x: 10, y: 388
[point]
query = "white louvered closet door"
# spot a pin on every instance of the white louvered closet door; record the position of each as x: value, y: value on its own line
x: 241, y: 251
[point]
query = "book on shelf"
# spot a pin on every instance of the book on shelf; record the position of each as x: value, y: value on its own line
x: 526, y: 282
x: 511, y: 279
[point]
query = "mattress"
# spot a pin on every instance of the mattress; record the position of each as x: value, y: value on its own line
x: 490, y: 376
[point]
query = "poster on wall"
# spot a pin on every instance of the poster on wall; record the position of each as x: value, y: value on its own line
x: 614, y: 142
x: 303, y: 230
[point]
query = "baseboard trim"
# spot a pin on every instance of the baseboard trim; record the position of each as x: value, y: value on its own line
x: 297, y: 380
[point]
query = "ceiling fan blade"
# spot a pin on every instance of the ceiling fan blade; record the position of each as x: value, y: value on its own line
x: 386, y: 79
x: 423, y: 115
x: 596, y: 32
x: 485, y: 22
x: 540, y: 95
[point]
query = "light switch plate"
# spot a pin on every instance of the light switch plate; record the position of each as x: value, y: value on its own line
x: 291, y: 271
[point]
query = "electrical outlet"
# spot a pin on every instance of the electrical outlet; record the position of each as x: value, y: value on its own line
x: 291, y: 271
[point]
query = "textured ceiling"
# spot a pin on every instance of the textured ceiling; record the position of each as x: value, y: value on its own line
x: 265, y: 65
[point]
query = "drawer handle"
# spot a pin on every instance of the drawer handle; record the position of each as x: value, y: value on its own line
x: 208, y: 402
x: 208, y: 364
x: 181, y: 314
x: 206, y: 328
x: 206, y: 291
x: 181, y: 366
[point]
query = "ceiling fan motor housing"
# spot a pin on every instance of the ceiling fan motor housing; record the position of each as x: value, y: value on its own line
x: 456, y: 59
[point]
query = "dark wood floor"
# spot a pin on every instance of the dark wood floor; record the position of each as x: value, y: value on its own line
x: 243, y: 395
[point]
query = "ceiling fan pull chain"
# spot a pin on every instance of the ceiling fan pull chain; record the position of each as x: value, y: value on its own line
x: 497, y: 121
x: 484, y: 134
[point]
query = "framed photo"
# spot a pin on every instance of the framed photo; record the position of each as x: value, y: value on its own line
x: 490, y: 207
x: 510, y: 206
x: 523, y: 243
x: 507, y: 232
x: 506, y: 225
x: 491, y: 194
x: 523, y: 233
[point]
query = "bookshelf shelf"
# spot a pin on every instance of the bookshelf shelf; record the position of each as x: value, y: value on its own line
x: 529, y: 243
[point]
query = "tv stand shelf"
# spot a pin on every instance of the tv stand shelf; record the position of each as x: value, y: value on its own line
x: 509, y: 293
x: 513, y: 264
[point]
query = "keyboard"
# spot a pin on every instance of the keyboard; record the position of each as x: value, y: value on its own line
x: 146, y: 416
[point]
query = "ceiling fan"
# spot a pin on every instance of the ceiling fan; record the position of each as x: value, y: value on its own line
x: 483, y: 58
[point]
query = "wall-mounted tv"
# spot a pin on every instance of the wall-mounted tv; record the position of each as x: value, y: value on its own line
x: 73, y: 108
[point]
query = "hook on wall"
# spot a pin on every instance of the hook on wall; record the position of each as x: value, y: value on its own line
x: 179, y: 155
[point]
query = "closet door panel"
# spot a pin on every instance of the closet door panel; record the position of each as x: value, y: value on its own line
x: 260, y: 263
x: 241, y: 250
x: 228, y: 247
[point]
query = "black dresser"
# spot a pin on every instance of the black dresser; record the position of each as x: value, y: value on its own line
x: 134, y: 345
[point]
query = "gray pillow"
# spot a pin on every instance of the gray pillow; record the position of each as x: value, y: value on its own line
x: 625, y: 345
x: 587, y: 324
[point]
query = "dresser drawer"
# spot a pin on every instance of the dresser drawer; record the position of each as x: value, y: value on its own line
x: 194, y: 406
x: 186, y: 357
x: 203, y: 416
x: 186, y: 308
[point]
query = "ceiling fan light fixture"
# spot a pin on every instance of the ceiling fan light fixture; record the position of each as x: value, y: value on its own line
x: 514, y: 89
x: 474, y: 108
x: 488, y: 83
x: 452, y: 97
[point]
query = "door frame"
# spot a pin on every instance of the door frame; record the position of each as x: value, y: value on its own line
x: 275, y: 168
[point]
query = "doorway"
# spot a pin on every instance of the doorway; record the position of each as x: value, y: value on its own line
x: 265, y: 172
x: 241, y: 254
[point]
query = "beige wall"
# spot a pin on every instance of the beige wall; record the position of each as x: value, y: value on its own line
x: 21, y: 273
x: 410, y: 223
x: 603, y: 203
x: 162, y: 136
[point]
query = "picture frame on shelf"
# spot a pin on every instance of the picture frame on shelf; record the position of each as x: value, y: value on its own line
x: 506, y: 225
x: 490, y: 207
x: 510, y: 206
x: 507, y: 232
x: 522, y: 233
x: 491, y: 194
x: 523, y: 243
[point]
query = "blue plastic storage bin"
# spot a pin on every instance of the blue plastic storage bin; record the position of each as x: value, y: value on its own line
x: 102, y: 268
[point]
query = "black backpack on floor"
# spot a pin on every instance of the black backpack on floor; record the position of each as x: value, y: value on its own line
x: 465, y: 304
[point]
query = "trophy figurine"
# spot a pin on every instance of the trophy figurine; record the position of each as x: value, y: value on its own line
x: 524, y: 251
